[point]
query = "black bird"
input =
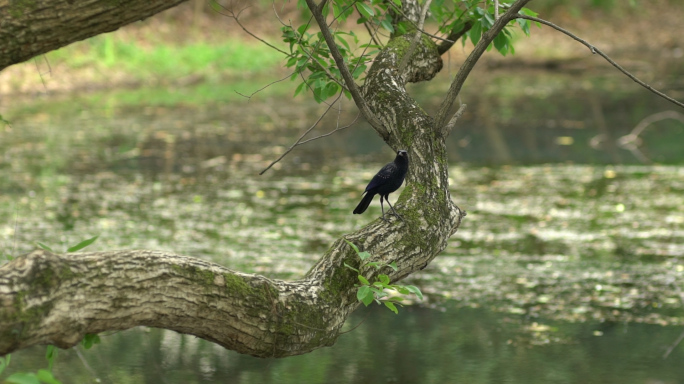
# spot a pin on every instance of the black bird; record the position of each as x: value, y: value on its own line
x: 386, y: 181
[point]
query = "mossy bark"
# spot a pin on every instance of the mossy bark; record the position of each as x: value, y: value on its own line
x: 55, y: 299
x: 29, y: 28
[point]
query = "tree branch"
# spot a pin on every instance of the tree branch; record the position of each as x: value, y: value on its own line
x: 28, y: 29
x: 452, y: 38
x: 452, y: 123
x: 595, y: 50
x: 472, y: 59
x: 344, y: 70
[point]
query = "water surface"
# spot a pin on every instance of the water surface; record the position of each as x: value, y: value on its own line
x: 567, y: 268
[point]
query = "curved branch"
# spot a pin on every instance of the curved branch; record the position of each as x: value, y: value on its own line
x: 595, y: 50
x: 344, y: 70
x: 31, y: 28
x: 472, y: 59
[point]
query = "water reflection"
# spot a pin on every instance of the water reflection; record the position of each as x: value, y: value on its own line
x: 418, y: 346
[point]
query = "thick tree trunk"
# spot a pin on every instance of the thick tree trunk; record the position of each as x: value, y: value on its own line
x: 55, y: 299
x: 30, y: 28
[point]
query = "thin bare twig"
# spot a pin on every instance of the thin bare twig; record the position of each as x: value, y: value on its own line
x: 595, y: 50
x: 681, y: 336
x: 357, y: 325
x: 338, y: 128
x: 416, y: 37
x: 452, y: 123
x: 302, y: 136
x: 631, y: 140
x: 35, y: 61
x: 264, y: 87
x: 372, y: 35
x: 673, y: 346
x: 235, y: 17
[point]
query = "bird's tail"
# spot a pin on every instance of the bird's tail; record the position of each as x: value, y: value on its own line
x: 365, y: 202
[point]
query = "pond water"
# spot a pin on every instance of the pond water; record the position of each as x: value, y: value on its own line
x: 567, y: 268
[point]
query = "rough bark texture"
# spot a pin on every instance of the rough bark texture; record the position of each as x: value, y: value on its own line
x: 32, y: 27
x: 55, y: 299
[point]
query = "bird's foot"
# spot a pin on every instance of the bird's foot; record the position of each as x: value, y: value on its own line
x: 392, y: 213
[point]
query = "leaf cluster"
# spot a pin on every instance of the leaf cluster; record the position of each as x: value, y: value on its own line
x: 381, y: 290
x: 313, y: 65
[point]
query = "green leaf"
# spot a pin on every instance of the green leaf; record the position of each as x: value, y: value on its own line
x: 391, y: 306
x: 343, y: 41
x: 415, y: 290
x: 363, y: 291
x: 365, y: 10
x: 46, y: 377
x: 475, y: 32
x: 387, y: 24
x: 359, y: 70
x: 51, y: 354
x: 356, y: 249
x: 384, y: 279
x: 82, y: 244
x: 90, y: 339
x: 364, y: 255
x: 350, y: 267
x: 363, y: 280
x: 365, y: 295
x: 528, y: 12
x: 378, y: 292
x: 300, y: 88
x: 45, y: 247
x: 397, y: 3
x: 524, y: 25
x: 4, y: 362
x: 393, y: 265
x: 501, y: 43
x: 401, y: 289
x: 22, y: 378
x: 330, y: 90
x: 488, y: 20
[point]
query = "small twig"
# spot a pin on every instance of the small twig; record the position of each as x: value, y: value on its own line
x: 496, y: 9
x: 235, y: 17
x: 595, y: 50
x: 673, y: 346
x: 331, y: 132
x: 35, y: 61
x: 302, y: 136
x: 85, y: 362
x: 630, y: 141
x: 312, y: 90
x: 416, y: 38
x: 681, y: 336
x: 372, y: 35
x: 357, y: 325
x: 264, y: 87
x: 452, y: 123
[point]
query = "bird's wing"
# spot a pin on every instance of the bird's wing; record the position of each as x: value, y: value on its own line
x: 382, y: 176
